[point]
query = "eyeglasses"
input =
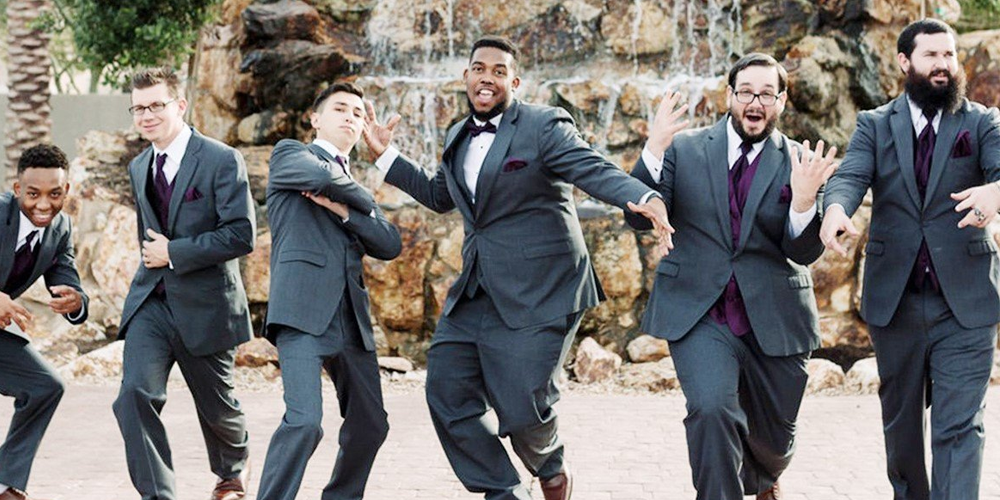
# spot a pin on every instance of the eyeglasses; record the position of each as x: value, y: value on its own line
x: 747, y: 97
x: 154, y: 108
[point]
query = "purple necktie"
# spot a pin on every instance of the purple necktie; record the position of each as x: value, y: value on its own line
x: 164, y: 190
x: 24, y: 261
x: 729, y: 309
x: 923, y: 269
x: 475, y: 130
x: 343, y: 165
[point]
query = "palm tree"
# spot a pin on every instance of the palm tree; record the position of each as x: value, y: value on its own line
x: 29, y: 72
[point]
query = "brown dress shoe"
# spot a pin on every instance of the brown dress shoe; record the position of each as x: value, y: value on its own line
x: 558, y: 487
x: 233, y: 488
x: 772, y: 493
x: 12, y: 494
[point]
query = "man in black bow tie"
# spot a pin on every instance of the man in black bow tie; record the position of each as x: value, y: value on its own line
x: 932, y: 160
x: 526, y: 278
x: 35, y: 241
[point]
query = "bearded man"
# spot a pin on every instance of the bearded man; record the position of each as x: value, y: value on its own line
x: 932, y: 160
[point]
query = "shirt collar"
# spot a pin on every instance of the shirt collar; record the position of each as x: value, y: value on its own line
x: 333, y: 150
x: 26, y: 227
x: 175, y: 151
x: 919, y: 120
x: 495, y: 121
x: 735, y: 141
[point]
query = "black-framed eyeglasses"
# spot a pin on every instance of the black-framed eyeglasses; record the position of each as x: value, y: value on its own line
x: 154, y: 108
x: 747, y: 97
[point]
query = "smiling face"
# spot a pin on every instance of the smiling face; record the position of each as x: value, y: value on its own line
x: 340, y: 120
x: 490, y: 82
x: 160, y: 128
x: 41, y: 193
x: 755, y: 121
x: 934, y: 78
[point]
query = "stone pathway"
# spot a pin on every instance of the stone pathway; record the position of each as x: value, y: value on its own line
x: 621, y: 447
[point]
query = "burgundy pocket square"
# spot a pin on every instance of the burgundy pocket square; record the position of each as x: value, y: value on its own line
x: 786, y: 194
x: 514, y: 164
x: 192, y: 194
x: 963, y: 145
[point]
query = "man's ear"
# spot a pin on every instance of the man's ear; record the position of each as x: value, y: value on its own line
x: 904, y: 62
x: 17, y: 189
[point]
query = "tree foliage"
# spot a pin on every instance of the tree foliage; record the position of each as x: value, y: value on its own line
x: 136, y: 33
x: 979, y: 14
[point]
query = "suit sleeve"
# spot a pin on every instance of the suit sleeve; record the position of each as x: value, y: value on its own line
x: 236, y: 228
x: 430, y: 190
x: 294, y: 168
x: 850, y: 182
x: 806, y: 247
x: 379, y: 236
x: 567, y: 155
x: 63, y: 272
x: 989, y: 149
x: 665, y: 187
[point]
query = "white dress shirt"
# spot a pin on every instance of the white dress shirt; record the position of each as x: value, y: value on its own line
x: 797, y: 222
x: 23, y: 230
x: 175, y: 153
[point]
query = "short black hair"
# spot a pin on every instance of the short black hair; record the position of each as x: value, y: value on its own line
x: 496, y: 42
x: 144, y: 78
x: 42, y: 156
x: 341, y: 86
x: 908, y: 37
x: 758, y: 59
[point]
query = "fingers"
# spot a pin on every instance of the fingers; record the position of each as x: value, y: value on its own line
x: 370, y: 112
x: 961, y: 195
x: 152, y: 234
x: 393, y: 122
x: 61, y: 290
x: 965, y: 204
x: 968, y: 220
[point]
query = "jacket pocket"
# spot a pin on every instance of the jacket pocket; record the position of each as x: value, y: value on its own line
x: 803, y: 280
x: 667, y: 268
x: 980, y: 247
x: 875, y: 248
x: 309, y: 256
x: 557, y: 248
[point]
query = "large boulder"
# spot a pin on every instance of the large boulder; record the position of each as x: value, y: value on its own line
x: 594, y: 363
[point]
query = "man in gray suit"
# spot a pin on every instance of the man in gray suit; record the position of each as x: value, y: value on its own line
x: 511, y: 316
x: 932, y: 160
x: 186, y: 304
x: 35, y: 241
x: 735, y: 298
x: 318, y: 241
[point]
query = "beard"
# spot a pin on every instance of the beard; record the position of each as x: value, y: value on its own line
x: 769, y: 127
x: 926, y: 95
x: 492, y: 112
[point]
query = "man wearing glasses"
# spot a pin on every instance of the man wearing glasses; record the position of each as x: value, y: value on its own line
x: 734, y: 297
x: 187, y: 304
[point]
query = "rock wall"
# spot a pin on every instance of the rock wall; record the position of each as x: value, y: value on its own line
x: 605, y: 61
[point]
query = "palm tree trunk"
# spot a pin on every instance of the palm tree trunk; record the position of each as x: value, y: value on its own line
x: 29, y: 71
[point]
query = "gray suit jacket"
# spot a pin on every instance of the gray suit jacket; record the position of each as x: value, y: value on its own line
x: 881, y: 156
x: 769, y: 265
x: 315, y: 256
x: 523, y: 233
x: 55, y: 258
x: 211, y: 223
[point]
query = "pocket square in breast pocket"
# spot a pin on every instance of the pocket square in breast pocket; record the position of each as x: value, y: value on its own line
x: 513, y: 164
x: 963, y: 145
x: 786, y: 194
x: 192, y: 194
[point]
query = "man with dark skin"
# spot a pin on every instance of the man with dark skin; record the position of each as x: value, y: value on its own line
x: 526, y: 279
x: 35, y: 241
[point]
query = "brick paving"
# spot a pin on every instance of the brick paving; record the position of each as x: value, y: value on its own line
x: 621, y: 447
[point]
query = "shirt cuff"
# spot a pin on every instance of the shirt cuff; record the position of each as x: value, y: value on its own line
x: 797, y: 222
x: 77, y: 315
x: 647, y: 196
x: 388, y: 157
x: 654, y: 165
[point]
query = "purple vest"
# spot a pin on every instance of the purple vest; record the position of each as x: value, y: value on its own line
x: 162, y: 191
x: 729, y: 309
x: 923, y: 269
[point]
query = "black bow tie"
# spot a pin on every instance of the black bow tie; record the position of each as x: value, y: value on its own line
x: 475, y: 130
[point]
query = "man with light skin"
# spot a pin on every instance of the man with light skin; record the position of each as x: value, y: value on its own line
x: 932, y: 161
x: 186, y: 304
x: 511, y: 316
x: 35, y: 241
x: 735, y: 298
x: 318, y: 241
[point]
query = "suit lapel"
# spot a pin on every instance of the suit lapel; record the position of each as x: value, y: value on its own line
x: 494, y: 158
x: 718, y: 177
x: 768, y: 166
x: 948, y: 129
x: 11, y: 224
x: 452, y: 160
x: 902, y: 137
x: 45, y: 253
x: 183, y: 178
x: 140, y: 172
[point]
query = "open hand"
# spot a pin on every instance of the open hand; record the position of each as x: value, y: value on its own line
x: 656, y: 212
x: 378, y: 136
x: 835, y: 223
x: 983, y: 202
x: 810, y: 170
